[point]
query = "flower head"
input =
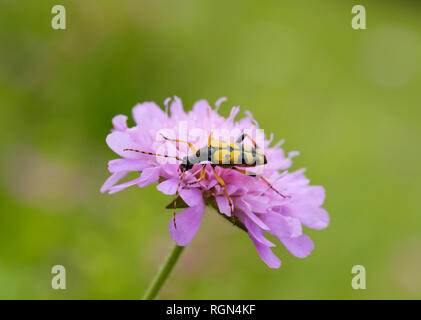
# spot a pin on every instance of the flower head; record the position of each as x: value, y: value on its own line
x: 261, y: 197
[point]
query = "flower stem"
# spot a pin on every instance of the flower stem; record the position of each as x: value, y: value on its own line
x: 163, y: 273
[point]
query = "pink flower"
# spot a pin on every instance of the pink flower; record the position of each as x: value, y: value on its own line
x: 256, y: 208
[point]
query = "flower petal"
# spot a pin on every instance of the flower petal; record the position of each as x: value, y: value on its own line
x: 117, y: 165
x: 309, y: 215
x: 220, y: 101
x: 118, y: 141
x: 260, y: 204
x: 193, y: 197
x: 223, y: 205
x: 282, y: 226
x: 233, y: 113
x: 112, y: 180
x: 257, y: 208
x: 201, y: 109
x: 245, y: 208
x: 122, y: 186
x: 149, y: 114
x: 169, y: 170
x: 149, y: 175
x: 314, y: 195
x: 168, y: 186
x: 257, y: 233
x: 120, y: 122
x: 176, y: 108
x: 300, y: 246
x: 188, y: 223
x: 266, y: 254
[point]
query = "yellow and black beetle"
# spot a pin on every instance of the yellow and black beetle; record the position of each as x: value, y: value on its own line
x: 218, y: 153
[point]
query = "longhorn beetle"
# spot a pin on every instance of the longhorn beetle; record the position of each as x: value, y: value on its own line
x: 218, y: 153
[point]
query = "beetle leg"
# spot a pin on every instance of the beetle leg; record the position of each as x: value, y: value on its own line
x: 247, y: 173
x: 242, y: 137
x: 252, y: 174
x: 192, y: 148
x: 202, y: 175
x: 210, y: 140
x: 270, y: 186
x: 177, y: 194
x: 222, y: 183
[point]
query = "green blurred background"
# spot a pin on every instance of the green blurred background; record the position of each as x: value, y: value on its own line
x: 348, y: 100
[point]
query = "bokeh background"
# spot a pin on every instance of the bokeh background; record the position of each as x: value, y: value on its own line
x: 348, y: 100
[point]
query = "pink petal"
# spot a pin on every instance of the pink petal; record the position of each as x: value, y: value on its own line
x: 310, y: 216
x: 294, y: 179
x: 245, y: 208
x: 112, y: 180
x: 282, y: 226
x: 220, y: 101
x: 117, y: 165
x: 176, y: 109
x: 223, y: 205
x: 123, y: 186
x: 118, y: 141
x: 166, y: 102
x: 143, y: 138
x: 168, y: 186
x: 201, y: 109
x: 266, y: 254
x: 188, y: 223
x: 170, y: 170
x: 314, y: 195
x: 233, y: 113
x: 120, y: 122
x: 293, y: 154
x: 149, y: 175
x: 220, y: 190
x: 277, y: 160
x: 212, y: 183
x: 295, y: 227
x: 300, y: 246
x: 148, y: 114
x: 193, y: 197
x: 257, y: 233
x: 260, y: 204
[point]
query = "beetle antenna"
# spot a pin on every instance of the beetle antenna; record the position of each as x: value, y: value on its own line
x: 177, y: 194
x: 270, y: 185
x: 154, y: 154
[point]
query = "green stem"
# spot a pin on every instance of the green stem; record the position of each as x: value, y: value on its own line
x: 163, y: 273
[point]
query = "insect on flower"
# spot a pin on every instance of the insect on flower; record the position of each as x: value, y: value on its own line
x: 218, y: 153
x: 246, y: 182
